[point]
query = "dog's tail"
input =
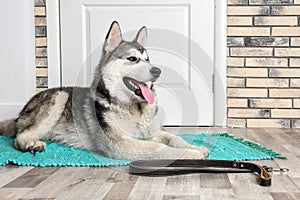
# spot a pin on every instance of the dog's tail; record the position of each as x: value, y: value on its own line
x: 8, y: 127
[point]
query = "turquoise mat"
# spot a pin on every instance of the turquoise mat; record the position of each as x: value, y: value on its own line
x: 221, y: 146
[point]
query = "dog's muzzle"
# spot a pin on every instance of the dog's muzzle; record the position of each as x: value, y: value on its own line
x: 139, y: 88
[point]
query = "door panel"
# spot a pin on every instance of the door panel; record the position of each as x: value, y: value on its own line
x: 17, y: 77
x: 185, y: 87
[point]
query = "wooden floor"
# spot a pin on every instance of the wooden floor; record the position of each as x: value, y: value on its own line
x: 116, y: 183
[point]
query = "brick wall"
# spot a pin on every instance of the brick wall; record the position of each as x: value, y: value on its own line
x: 41, y: 45
x: 263, y: 63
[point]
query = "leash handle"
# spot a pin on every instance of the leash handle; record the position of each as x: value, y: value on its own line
x: 184, y: 166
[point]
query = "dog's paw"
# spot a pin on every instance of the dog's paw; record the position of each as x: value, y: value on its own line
x: 36, y: 146
x: 192, y: 154
x: 203, y: 150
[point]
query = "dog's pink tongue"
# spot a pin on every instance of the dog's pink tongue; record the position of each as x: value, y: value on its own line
x: 147, y: 93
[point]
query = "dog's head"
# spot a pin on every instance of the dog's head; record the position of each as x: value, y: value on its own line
x: 125, y: 67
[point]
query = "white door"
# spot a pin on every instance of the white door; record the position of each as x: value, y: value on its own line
x: 181, y: 42
x: 17, y: 68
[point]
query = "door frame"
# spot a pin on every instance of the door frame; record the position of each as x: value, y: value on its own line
x: 220, y: 49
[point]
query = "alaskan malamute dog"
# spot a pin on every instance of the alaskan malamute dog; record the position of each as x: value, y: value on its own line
x: 116, y: 117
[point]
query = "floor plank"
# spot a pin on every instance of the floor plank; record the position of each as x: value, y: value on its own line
x: 121, y: 190
x: 74, y: 182
x: 181, y: 197
x: 183, y: 185
x: 283, y: 183
x: 38, y: 199
x: 285, y: 196
x: 148, y: 188
x: 214, y: 181
x: 11, y: 172
x: 32, y: 178
x: 13, y: 193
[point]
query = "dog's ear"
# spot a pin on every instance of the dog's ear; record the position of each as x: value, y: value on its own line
x: 113, y: 38
x: 141, y: 36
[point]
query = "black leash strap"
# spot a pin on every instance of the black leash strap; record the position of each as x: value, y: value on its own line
x: 184, y: 166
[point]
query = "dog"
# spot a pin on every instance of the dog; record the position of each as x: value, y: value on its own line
x: 117, y: 116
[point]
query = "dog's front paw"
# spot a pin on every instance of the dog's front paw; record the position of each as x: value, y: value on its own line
x: 192, y: 154
x: 36, y: 146
x: 203, y: 150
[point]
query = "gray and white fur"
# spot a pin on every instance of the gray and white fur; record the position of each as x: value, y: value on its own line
x: 116, y: 117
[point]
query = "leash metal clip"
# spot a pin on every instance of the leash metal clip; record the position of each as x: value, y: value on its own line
x: 271, y: 169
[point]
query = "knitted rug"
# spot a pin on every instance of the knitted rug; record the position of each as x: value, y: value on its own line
x: 221, y: 146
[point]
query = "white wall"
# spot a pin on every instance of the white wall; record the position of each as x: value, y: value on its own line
x: 17, y: 55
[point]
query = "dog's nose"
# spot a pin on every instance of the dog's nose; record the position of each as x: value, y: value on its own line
x: 155, y: 71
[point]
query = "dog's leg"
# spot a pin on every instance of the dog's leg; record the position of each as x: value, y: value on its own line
x: 133, y: 149
x: 34, y: 126
x: 177, y: 142
x: 29, y: 141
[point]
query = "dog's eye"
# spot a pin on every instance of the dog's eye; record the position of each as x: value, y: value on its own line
x: 147, y: 59
x: 132, y: 58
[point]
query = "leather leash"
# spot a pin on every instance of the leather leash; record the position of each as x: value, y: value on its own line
x: 184, y: 166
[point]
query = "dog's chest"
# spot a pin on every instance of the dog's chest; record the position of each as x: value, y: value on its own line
x: 138, y: 123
